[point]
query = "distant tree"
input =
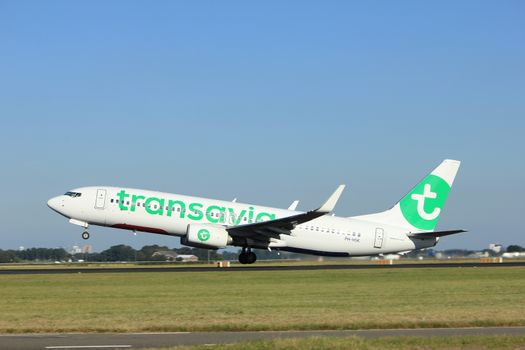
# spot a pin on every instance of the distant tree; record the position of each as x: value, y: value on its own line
x: 7, y: 256
x: 457, y: 252
x: 202, y: 254
x: 228, y: 255
x: 146, y: 253
x: 184, y: 250
x: 126, y: 253
x: 515, y: 248
x: 59, y: 254
x: 119, y: 252
x: 42, y: 254
x: 263, y: 254
x: 87, y: 257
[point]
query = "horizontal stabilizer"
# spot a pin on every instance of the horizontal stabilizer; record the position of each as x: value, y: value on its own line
x: 434, y: 234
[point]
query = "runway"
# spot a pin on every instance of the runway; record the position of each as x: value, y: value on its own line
x: 143, y: 340
x: 262, y: 267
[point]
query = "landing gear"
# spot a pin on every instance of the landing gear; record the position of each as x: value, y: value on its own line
x: 247, y: 257
x: 85, y: 235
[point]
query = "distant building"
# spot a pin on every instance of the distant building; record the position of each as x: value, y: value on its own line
x: 478, y: 255
x: 391, y: 256
x: 496, y: 248
x: 513, y: 255
x: 75, y: 250
x: 187, y: 258
x: 87, y: 249
x: 167, y: 254
x: 172, y: 256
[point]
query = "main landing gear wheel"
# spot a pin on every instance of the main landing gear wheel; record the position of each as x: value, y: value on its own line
x: 85, y: 235
x: 242, y: 258
x: 247, y: 257
x: 252, y: 257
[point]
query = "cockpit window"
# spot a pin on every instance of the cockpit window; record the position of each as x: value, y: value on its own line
x: 73, y: 194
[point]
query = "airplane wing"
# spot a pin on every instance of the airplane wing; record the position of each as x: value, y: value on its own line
x: 434, y: 234
x: 272, y: 228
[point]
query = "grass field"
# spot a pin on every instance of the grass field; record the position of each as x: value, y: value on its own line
x: 263, y: 300
x: 355, y: 343
x: 150, y: 264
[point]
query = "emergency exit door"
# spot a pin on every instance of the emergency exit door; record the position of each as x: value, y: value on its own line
x: 100, y: 202
x: 380, y: 235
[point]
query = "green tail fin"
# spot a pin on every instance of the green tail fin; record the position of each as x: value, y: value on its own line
x: 421, y: 208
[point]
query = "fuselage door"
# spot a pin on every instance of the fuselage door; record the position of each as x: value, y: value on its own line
x: 378, y: 242
x: 100, y: 201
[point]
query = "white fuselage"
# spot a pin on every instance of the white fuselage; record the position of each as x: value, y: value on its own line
x: 170, y: 214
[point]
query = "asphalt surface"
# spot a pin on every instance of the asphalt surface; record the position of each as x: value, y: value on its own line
x: 143, y: 340
x: 43, y: 271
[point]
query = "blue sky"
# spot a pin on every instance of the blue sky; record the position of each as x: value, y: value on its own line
x: 266, y: 101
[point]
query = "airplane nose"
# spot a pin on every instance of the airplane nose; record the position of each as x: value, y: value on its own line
x: 54, y: 203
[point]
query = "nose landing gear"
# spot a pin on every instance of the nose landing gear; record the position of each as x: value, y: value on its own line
x: 247, y: 256
x: 85, y: 235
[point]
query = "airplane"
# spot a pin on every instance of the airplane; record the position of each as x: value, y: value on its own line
x: 214, y: 224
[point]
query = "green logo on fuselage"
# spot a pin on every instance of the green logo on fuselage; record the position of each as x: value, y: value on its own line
x: 193, y: 211
x: 423, y: 205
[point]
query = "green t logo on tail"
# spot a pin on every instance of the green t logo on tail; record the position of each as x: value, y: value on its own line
x: 423, y: 205
x: 203, y: 235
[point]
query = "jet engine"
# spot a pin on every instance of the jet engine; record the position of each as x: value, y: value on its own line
x: 206, y: 236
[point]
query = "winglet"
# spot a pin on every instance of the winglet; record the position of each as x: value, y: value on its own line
x: 293, y: 206
x: 329, y: 205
